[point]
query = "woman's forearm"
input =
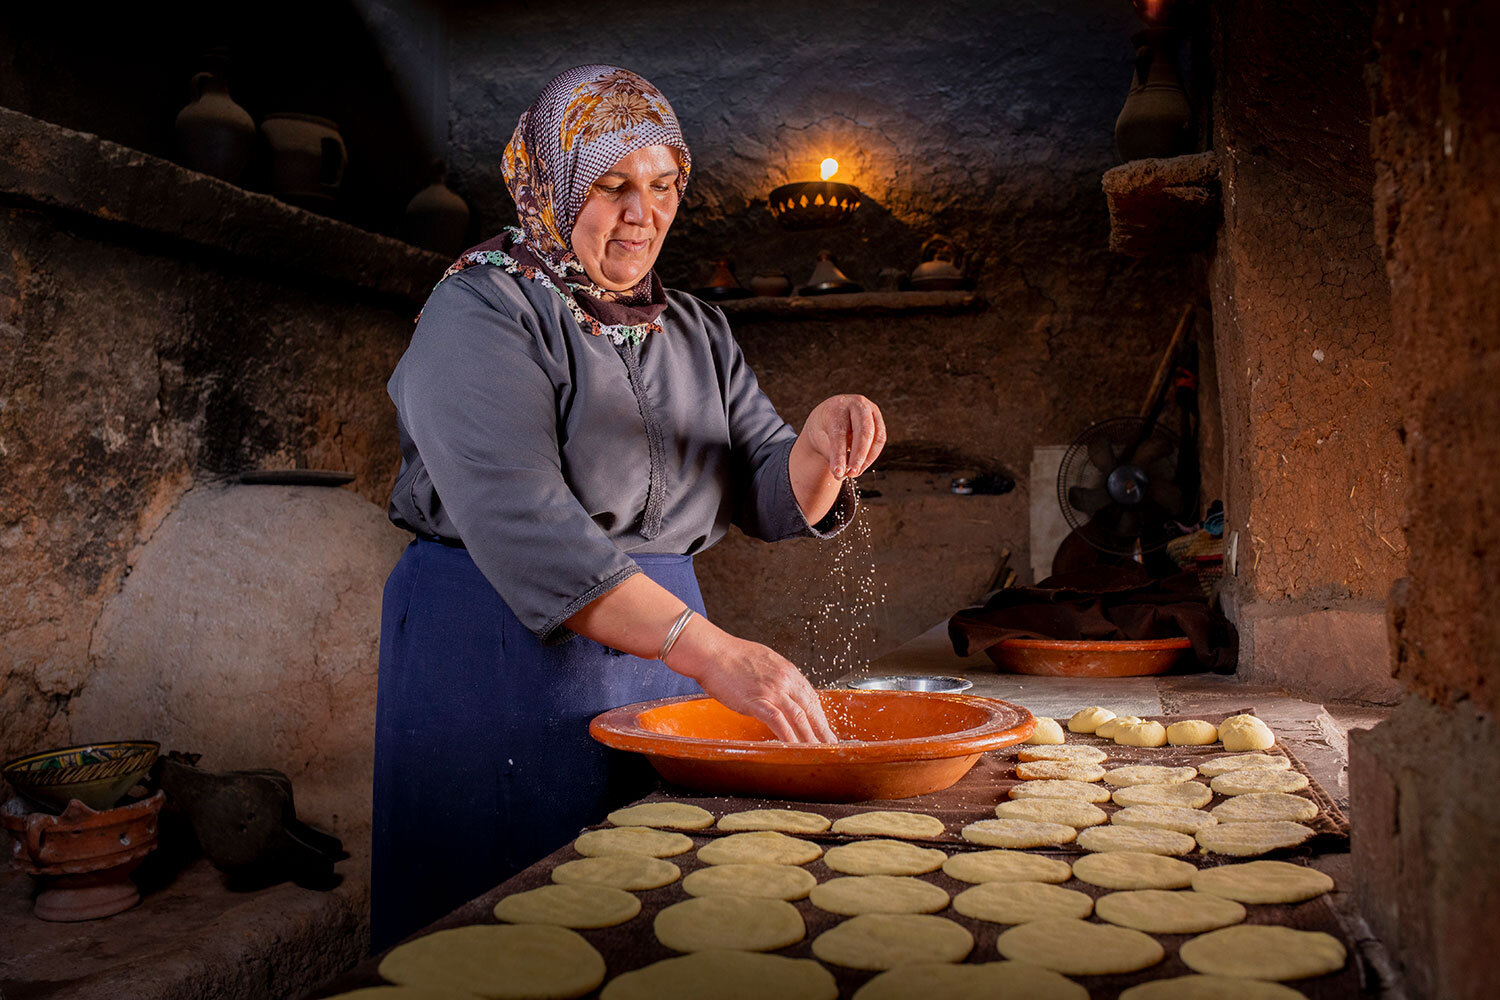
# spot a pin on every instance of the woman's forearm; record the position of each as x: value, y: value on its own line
x: 813, y: 484
x: 633, y: 617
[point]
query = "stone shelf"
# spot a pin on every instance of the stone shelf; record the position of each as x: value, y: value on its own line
x: 50, y: 167
x: 1163, y: 206
x: 857, y: 305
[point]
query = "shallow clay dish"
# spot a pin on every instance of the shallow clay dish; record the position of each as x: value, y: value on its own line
x: 893, y: 744
x: 96, y: 774
x: 1087, y: 658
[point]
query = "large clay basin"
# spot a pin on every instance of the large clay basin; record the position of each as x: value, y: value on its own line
x: 893, y: 744
x: 1088, y: 658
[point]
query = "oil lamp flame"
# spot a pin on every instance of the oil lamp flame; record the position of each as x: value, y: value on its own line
x: 830, y: 167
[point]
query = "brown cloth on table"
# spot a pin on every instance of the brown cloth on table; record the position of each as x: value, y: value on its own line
x: 1102, y: 602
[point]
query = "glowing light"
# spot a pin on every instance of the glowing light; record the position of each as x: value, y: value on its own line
x: 830, y: 167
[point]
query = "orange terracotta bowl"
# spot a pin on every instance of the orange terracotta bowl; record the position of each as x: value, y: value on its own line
x: 1083, y: 658
x: 892, y: 744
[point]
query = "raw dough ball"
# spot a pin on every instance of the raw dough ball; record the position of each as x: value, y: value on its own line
x: 883, y: 857
x: 1086, y: 720
x: 576, y: 906
x: 1005, y: 866
x: 1263, y: 807
x: 1158, y: 911
x: 1246, y: 732
x: 1071, y: 770
x: 1144, y: 839
x: 1258, y: 951
x: 1222, y: 765
x: 1060, y: 789
x: 1018, y: 833
x: 1192, y: 733
x: 1149, y: 774
x: 1018, y: 902
x: 741, y: 923
x: 1079, y: 752
x: 1245, y: 839
x: 1073, y: 812
x: 505, y: 961
x: 766, y: 881
x: 1046, y: 733
x: 1188, y: 794
x: 971, y: 982
x: 787, y: 820
x: 674, y: 815
x: 631, y: 840
x: 1164, y: 818
x: 1141, y: 734
x: 725, y: 975
x: 1263, y: 882
x: 1108, y: 727
x: 1133, y: 870
x: 634, y: 872
x: 888, y: 940
x: 1258, y: 779
x: 1079, y: 948
x: 889, y: 823
x: 763, y: 847
x: 1210, y: 988
x: 858, y: 894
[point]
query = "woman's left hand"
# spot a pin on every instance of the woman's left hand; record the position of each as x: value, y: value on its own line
x: 848, y: 431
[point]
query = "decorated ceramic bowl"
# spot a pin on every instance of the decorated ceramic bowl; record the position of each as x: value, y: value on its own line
x: 96, y: 774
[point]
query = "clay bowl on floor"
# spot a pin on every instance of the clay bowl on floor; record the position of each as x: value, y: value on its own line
x: 1085, y: 658
x: 96, y: 774
x: 893, y: 744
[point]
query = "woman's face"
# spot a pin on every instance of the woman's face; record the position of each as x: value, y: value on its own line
x: 626, y: 216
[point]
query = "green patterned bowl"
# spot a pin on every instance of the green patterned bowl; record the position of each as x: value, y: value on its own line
x: 96, y: 774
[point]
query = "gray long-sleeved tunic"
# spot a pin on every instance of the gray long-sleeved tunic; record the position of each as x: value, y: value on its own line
x: 551, y: 454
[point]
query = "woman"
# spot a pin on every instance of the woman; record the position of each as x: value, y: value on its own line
x: 572, y: 434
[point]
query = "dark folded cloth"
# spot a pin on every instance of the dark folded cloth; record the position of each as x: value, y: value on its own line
x: 1102, y: 602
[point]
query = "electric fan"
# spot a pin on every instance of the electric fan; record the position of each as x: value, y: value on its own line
x: 1119, y: 486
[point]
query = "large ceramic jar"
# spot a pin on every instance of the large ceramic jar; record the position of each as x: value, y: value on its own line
x: 1156, y: 118
x: 214, y: 135
x: 436, y: 218
x: 307, y: 158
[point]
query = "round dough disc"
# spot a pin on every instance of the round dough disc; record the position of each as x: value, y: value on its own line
x: 766, y: 881
x: 1149, y: 774
x: 1263, y: 807
x: 576, y: 906
x: 1258, y: 779
x: 1192, y: 733
x: 725, y: 975
x: 1260, y: 951
x: 1086, y: 720
x: 631, y: 840
x: 856, y: 894
x: 1079, y: 948
x: 1018, y: 833
x: 971, y: 982
x: 889, y: 823
x: 763, y: 847
x: 740, y: 923
x: 672, y: 815
x: 1164, y: 818
x: 1046, y: 733
x: 1074, y: 812
x: 500, y: 961
x: 1053, y: 788
x: 1245, y: 839
x: 1019, y: 902
x: 1263, y: 882
x: 785, y: 820
x: 395, y: 993
x: 1161, y: 911
x: 1222, y: 765
x: 1068, y: 770
x: 887, y: 940
x: 1189, y: 795
x: 1005, y: 866
x: 883, y: 857
x: 1133, y: 870
x: 1078, y: 752
x: 634, y: 872
x: 1210, y: 988
x: 1145, y: 839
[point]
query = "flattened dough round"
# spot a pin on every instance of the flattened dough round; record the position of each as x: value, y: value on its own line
x: 1059, y: 789
x: 1258, y: 779
x: 1086, y: 720
x: 1082, y: 753
x: 725, y: 975
x: 1067, y: 770
x: 984, y: 981
x: 576, y: 906
x: 1141, y: 734
x: 1144, y: 839
x: 634, y: 872
x: 1018, y: 902
x: 1074, y: 812
x: 763, y: 847
x: 1018, y: 833
x: 1197, y: 987
x: 766, y: 881
x: 499, y: 961
x: 394, y: 993
x: 1079, y: 948
x: 785, y: 820
x: 1223, y: 765
x: 672, y: 815
x: 1133, y: 870
x: 1164, y: 818
x: 1005, y: 866
x: 1260, y: 951
x: 890, y: 823
x: 740, y: 923
x: 1108, y: 728
x: 1263, y: 882
x: 1188, y: 794
x: 1192, y: 733
x: 856, y: 894
x: 1263, y: 807
x: 883, y: 857
x: 631, y: 840
x: 888, y: 940
x: 1046, y: 733
x: 1162, y: 911
x: 1149, y: 774
x: 1246, y: 839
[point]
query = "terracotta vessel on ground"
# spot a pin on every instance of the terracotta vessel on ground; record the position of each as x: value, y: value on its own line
x: 307, y: 158
x: 214, y: 135
x: 1085, y: 658
x: 436, y: 218
x: 1156, y: 117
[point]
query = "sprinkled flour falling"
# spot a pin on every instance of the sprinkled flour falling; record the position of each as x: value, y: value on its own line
x: 841, y: 631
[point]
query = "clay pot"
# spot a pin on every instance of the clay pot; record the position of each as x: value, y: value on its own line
x: 1156, y: 118
x: 722, y: 284
x: 307, y: 158
x: 215, y: 136
x: 827, y: 279
x: 436, y: 218
x: 771, y: 283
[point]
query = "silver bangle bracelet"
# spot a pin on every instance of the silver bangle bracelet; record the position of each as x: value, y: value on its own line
x: 674, y: 632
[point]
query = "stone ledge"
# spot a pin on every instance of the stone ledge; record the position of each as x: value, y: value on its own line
x: 1163, y: 206
x: 55, y: 168
x: 856, y: 305
x: 1335, y: 653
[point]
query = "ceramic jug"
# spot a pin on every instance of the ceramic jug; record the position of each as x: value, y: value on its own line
x: 1156, y: 118
x: 436, y: 218
x: 307, y: 158
x: 214, y: 135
